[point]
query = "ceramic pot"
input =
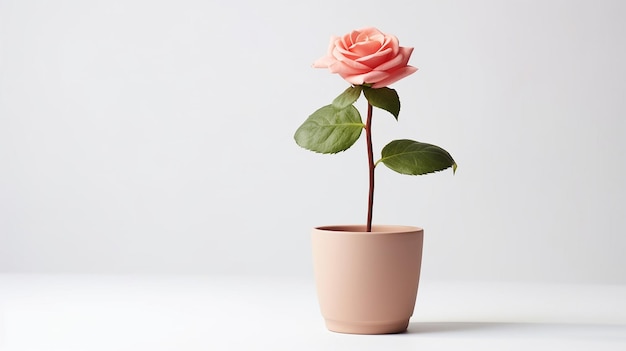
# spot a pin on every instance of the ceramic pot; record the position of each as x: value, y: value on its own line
x: 367, y: 281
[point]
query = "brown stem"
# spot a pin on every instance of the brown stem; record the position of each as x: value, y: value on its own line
x: 370, y: 158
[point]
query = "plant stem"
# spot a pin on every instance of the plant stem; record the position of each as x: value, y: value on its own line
x: 370, y: 159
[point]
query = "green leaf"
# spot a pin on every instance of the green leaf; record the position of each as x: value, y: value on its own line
x: 330, y: 130
x: 348, y: 97
x: 415, y: 158
x: 385, y: 98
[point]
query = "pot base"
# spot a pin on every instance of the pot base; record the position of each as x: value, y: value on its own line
x: 370, y: 328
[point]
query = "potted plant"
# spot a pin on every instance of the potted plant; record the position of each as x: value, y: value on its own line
x: 367, y: 275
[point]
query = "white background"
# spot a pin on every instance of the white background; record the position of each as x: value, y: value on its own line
x: 156, y: 137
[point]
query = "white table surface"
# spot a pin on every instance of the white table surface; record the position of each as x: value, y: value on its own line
x: 78, y: 312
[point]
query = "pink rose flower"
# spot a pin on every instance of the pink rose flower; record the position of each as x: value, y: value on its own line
x: 367, y: 56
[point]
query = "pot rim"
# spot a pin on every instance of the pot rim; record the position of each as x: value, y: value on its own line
x: 361, y: 228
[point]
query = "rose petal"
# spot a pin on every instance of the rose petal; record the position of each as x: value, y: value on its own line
x: 347, y: 60
x: 344, y: 68
x: 324, y: 62
x: 354, y: 80
x: 347, y: 40
x: 406, y: 53
x: 391, y: 64
x: 331, y: 44
x: 365, y: 48
x: 392, y: 43
x: 345, y: 53
x: 366, y: 78
x: 399, y: 61
x: 395, y: 76
x: 370, y: 33
x: 374, y: 60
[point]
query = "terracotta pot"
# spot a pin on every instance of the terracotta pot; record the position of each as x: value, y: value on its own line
x: 367, y: 282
